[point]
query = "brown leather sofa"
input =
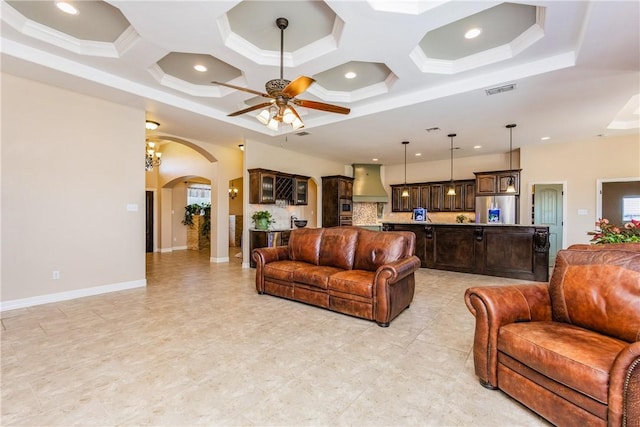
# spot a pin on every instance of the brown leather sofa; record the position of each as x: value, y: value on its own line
x: 363, y: 273
x: 569, y: 350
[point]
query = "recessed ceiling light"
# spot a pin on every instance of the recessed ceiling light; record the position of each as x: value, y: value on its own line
x: 473, y: 33
x: 477, y: 147
x: 66, y: 7
x: 350, y: 75
x: 200, y: 67
x: 418, y: 154
x: 151, y: 125
x: 241, y: 147
x: 545, y: 138
x: 433, y: 129
x: 375, y: 159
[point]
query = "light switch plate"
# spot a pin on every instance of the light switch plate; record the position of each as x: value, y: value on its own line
x: 132, y: 207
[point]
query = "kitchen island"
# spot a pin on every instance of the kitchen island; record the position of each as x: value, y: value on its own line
x: 516, y: 251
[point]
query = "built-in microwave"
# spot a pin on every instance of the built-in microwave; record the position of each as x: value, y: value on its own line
x: 345, y: 206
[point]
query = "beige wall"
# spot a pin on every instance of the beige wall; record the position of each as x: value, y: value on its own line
x: 260, y: 155
x: 71, y: 164
x: 578, y: 165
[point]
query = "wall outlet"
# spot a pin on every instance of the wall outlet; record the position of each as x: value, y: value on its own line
x: 55, y: 275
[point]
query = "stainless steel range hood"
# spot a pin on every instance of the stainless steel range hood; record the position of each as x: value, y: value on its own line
x: 367, y: 184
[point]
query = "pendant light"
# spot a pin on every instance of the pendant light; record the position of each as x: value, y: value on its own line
x: 511, y: 188
x: 452, y: 188
x: 405, y: 190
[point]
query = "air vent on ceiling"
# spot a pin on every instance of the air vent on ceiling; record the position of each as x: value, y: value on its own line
x: 501, y: 89
x: 303, y: 133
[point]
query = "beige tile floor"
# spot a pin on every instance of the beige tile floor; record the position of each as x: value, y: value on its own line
x: 199, y: 346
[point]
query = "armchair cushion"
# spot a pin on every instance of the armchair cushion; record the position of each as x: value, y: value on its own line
x: 610, y: 304
x: 578, y: 358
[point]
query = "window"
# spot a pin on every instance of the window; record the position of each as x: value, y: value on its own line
x: 198, y: 193
x: 630, y: 208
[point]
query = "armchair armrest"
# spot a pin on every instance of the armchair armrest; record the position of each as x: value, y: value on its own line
x: 394, y: 286
x: 624, y: 387
x: 494, y: 307
x: 263, y: 256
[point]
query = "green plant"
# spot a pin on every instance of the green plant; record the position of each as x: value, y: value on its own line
x: 461, y: 218
x: 198, y: 209
x: 611, y: 233
x: 189, y: 212
x: 206, y: 223
x: 262, y: 218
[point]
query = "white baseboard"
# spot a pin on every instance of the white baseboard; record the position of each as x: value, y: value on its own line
x: 179, y: 248
x: 69, y: 295
x: 246, y: 265
x: 163, y: 250
x: 219, y: 260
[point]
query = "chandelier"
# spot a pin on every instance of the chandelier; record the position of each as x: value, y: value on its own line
x: 276, y: 114
x: 152, y: 157
x: 233, y: 191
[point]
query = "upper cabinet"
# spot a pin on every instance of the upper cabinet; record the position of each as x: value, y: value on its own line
x: 267, y: 186
x: 432, y: 196
x: 492, y: 183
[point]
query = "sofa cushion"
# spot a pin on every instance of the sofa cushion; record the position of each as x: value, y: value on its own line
x: 598, y: 290
x: 282, y: 270
x: 572, y: 356
x: 304, y: 245
x: 338, y: 246
x: 354, y: 282
x: 376, y: 248
x: 314, y: 275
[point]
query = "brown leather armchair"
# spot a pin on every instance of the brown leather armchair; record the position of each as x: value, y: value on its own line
x: 569, y: 350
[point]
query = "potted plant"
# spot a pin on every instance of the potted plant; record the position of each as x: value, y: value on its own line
x: 189, y: 212
x: 262, y: 219
x: 610, y: 233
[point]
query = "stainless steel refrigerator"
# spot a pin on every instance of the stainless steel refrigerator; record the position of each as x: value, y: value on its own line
x: 501, y: 209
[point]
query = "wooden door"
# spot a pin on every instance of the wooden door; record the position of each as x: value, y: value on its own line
x: 547, y: 210
x: 149, y: 220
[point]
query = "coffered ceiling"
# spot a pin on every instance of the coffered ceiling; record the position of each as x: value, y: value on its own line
x: 573, y: 67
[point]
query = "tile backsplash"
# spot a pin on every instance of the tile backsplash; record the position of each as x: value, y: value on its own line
x: 365, y: 213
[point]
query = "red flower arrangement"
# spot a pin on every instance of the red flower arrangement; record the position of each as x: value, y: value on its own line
x: 611, y: 233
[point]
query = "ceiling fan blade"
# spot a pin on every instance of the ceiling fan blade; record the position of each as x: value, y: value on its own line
x: 244, y: 89
x: 297, y: 86
x: 321, y: 106
x: 255, y: 107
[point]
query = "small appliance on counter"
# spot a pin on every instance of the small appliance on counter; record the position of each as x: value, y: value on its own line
x: 419, y: 214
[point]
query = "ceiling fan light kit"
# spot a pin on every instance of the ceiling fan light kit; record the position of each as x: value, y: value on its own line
x: 281, y: 92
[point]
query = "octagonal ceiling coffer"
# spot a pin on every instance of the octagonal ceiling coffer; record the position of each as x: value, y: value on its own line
x: 504, y: 31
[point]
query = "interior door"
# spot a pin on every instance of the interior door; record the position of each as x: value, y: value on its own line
x: 149, y: 220
x: 547, y: 210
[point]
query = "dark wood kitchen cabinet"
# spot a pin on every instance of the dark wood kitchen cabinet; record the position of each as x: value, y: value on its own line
x: 516, y: 251
x: 433, y: 197
x: 267, y: 186
x: 494, y: 183
x: 337, y: 200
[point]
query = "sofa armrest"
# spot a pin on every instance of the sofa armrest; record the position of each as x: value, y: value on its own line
x: 494, y: 307
x: 394, y: 286
x: 624, y: 387
x: 263, y: 256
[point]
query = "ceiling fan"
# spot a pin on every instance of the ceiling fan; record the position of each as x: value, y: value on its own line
x: 283, y: 93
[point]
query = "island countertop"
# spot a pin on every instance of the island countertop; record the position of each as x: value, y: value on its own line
x: 506, y: 250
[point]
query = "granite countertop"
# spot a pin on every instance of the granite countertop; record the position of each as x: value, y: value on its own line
x: 485, y: 224
x: 272, y: 230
